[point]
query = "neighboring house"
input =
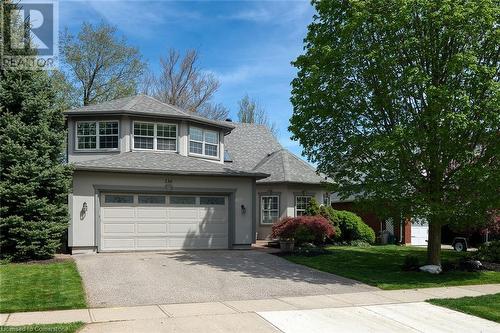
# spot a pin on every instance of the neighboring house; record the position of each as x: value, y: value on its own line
x: 149, y: 176
x: 412, y: 232
x: 291, y: 184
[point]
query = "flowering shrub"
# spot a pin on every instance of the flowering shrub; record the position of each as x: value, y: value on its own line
x: 303, y: 229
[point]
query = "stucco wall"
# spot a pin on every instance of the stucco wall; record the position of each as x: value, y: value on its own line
x: 287, y: 193
x: 82, y: 231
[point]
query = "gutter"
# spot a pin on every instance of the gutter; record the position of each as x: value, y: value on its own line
x: 256, y: 175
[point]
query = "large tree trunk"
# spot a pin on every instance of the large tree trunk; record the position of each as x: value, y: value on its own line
x: 434, y: 244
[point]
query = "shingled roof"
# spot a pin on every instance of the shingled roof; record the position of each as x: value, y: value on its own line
x: 253, y: 147
x: 161, y: 162
x: 144, y: 105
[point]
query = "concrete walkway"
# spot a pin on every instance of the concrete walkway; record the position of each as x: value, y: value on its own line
x: 267, y: 315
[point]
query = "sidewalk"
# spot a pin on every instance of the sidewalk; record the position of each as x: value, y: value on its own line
x: 247, y: 307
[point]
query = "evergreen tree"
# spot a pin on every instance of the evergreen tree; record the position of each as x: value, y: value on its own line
x: 34, y: 180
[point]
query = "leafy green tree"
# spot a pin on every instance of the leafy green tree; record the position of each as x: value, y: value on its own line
x: 398, y: 101
x: 100, y: 64
x: 34, y: 181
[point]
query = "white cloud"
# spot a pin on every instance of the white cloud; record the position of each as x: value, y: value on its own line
x: 278, y: 12
x: 141, y: 18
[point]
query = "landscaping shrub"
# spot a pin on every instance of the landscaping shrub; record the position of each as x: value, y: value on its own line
x: 328, y: 212
x: 359, y: 243
x: 312, y: 208
x: 310, y: 250
x: 303, y: 229
x: 411, y: 263
x: 490, y: 252
x: 353, y: 227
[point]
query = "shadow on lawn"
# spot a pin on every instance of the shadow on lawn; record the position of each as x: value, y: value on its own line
x: 381, y: 266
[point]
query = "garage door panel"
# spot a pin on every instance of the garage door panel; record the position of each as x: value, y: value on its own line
x: 151, y: 243
x: 183, y: 228
x: 156, y: 227
x: 151, y: 228
x: 119, y: 228
x: 198, y: 243
x: 212, y: 213
x: 181, y: 213
x: 151, y: 212
x: 119, y: 212
x: 118, y: 243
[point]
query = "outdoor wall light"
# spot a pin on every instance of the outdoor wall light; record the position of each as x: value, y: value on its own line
x: 243, y: 209
x: 83, y: 212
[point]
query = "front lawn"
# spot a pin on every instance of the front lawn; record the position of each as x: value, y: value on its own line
x: 487, y: 306
x: 380, y: 266
x: 40, y: 286
x: 55, y: 328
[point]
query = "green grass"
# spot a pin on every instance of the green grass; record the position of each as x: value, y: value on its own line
x: 52, y: 328
x: 380, y: 266
x: 487, y: 306
x: 40, y: 286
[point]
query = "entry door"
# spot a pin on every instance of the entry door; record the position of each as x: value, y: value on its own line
x: 131, y: 222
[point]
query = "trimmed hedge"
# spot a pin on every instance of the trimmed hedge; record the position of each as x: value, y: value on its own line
x: 303, y: 229
x: 352, y: 227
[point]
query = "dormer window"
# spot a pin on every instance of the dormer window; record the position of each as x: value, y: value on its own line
x: 203, y: 142
x: 155, y: 136
x: 95, y: 135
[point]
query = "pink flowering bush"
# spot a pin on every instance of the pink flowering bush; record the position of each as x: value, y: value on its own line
x: 304, y: 229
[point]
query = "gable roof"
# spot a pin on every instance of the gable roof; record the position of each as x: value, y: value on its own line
x: 285, y: 167
x: 253, y: 147
x: 161, y: 162
x: 144, y: 105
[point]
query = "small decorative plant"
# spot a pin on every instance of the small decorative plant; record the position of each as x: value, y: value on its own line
x: 302, y: 229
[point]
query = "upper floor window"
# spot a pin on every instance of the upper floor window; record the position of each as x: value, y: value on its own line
x: 203, y: 142
x: 97, y: 135
x: 155, y: 136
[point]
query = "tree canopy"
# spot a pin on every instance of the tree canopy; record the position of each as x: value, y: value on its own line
x: 399, y: 102
x: 34, y: 181
x: 101, y: 66
x: 183, y: 83
x: 250, y: 111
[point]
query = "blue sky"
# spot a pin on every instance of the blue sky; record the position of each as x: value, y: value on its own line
x: 248, y: 45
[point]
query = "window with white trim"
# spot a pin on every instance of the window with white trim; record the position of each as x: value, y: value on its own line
x: 96, y: 135
x: 269, y: 208
x: 301, y: 203
x: 326, y: 199
x: 155, y: 136
x: 203, y: 142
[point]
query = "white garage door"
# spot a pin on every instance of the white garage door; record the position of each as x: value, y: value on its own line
x: 160, y: 222
x: 419, y: 231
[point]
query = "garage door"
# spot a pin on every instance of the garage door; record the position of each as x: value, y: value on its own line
x: 161, y: 222
x: 419, y: 231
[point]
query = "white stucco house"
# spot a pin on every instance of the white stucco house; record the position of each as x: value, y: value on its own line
x: 149, y: 176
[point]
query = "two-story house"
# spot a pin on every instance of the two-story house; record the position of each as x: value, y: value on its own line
x: 149, y: 176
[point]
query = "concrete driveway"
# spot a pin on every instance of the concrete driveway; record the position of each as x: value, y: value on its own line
x: 125, y: 279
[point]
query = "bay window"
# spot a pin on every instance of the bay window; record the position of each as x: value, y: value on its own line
x: 155, y: 136
x: 96, y: 135
x: 203, y: 142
